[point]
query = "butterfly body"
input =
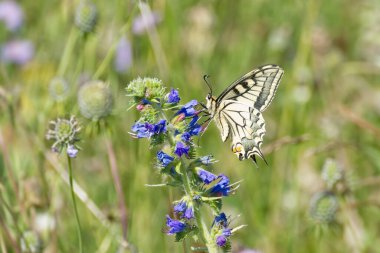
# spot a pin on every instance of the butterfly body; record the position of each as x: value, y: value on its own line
x: 238, y: 110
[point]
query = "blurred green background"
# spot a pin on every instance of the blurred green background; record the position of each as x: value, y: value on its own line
x: 325, y: 117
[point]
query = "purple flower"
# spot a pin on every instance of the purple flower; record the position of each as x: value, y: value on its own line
x: 145, y: 22
x: 160, y: 127
x: 205, y: 176
x: 221, y: 240
x: 123, y: 56
x: 186, y: 137
x: 186, y: 210
x: 17, y: 51
x: 188, y: 109
x: 143, y: 130
x: 181, y: 149
x: 180, y: 207
x: 222, y: 188
x: 72, y: 151
x: 189, y: 213
x: 164, y: 159
x: 11, y: 14
x: 173, y: 96
x: 175, y: 226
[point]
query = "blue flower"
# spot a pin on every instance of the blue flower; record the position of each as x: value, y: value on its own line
x: 143, y: 130
x: 188, y: 109
x: 175, y: 226
x: 181, y: 149
x: 184, y: 208
x: 145, y: 101
x: 72, y: 151
x: 173, y: 96
x: 160, y: 127
x: 222, y: 188
x: 180, y: 207
x: 186, y: 137
x: 207, y: 160
x: 206, y: 176
x: 193, y: 128
x: 164, y: 158
x: 146, y: 130
x: 221, y: 219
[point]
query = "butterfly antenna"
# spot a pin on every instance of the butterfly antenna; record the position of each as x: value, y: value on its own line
x: 206, y: 77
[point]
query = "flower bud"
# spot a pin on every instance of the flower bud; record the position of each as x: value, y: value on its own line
x: 331, y: 173
x: 146, y: 87
x: 95, y: 100
x: 86, y: 16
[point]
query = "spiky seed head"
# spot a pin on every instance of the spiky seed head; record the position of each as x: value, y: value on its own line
x: 323, y: 207
x: 86, y: 16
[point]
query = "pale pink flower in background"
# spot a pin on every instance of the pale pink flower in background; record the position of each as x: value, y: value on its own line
x: 143, y: 23
x: 123, y: 56
x: 11, y: 14
x: 17, y: 51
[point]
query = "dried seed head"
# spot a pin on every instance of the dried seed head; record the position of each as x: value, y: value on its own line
x: 64, y: 132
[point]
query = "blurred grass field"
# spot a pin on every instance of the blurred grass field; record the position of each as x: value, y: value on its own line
x: 326, y: 111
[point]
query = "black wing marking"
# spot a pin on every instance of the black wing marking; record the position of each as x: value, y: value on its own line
x: 255, y: 89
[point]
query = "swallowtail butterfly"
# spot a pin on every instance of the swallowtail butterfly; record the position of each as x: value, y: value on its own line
x: 238, y: 110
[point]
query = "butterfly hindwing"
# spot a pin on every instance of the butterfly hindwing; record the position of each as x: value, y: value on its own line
x: 245, y: 125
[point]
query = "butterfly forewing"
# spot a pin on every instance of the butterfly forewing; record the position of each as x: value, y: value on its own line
x: 256, y: 88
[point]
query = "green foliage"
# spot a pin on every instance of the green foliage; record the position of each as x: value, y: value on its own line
x: 326, y: 106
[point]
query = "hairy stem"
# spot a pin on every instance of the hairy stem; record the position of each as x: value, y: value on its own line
x: 205, y: 235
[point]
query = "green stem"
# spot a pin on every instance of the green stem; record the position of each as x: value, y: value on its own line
x: 205, y: 235
x: 79, y: 230
x: 67, y: 52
